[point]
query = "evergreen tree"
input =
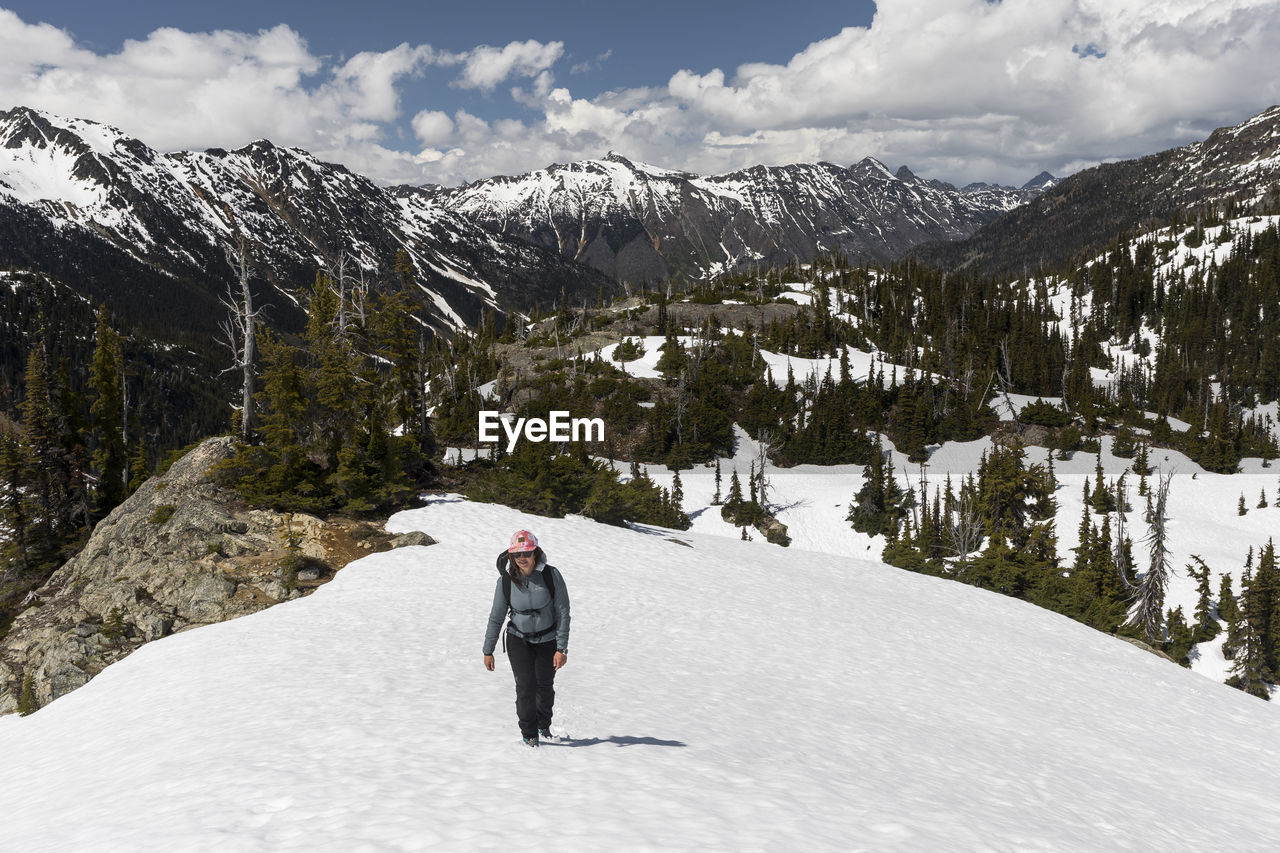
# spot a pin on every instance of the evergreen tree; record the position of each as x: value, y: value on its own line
x: 673, y: 359
x: 1181, y: 638
x: 1236, y: 623
x: 1206, y: 626
x: 27, y: 703
x: 1254, y: 642
x: 1244, y: 647
x: 14, y: 518
x: 1102, y: 500
x: 106, y: 382
x: 1263, y: 610
x: 44, y: 485
x: 879, y: 505
x: 1227, y: 607
x: 139, y: 466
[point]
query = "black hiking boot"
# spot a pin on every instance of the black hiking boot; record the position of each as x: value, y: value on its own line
x: 545, y: 734
x: 531, y: 741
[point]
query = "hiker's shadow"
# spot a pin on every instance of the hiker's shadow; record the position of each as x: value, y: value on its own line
x: 620, y: 740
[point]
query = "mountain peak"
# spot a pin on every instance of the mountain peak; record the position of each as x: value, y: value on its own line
x: 1042, y: 181
x: 870, y: 167
x: 904, y: 174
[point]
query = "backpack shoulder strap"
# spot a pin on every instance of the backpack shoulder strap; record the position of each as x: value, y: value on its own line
x: 550, y: 572
x: 506, y: 590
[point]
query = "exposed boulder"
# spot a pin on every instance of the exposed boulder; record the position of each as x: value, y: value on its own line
x: 179, y: 553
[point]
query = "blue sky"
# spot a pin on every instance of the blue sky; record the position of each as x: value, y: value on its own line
x: 607, y: 45
x: 957, y: 89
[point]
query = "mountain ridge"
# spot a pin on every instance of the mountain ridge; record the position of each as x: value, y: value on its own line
x: 83, y: 202
x: 1237, y: 165
x: 638, y: 222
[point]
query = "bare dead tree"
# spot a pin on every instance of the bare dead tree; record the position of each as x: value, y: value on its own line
x: 764, y: 446
x: 238, y: 329
x: 964, y: 535
x: 1066, y: 370
x: 341, y: 290
x: 1005, y: 377
x: 124, y: 424
x: 423, y: 380
x: 359, y: 294
x: 1147, y: 608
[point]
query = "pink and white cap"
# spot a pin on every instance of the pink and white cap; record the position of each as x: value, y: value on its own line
x: 522, y: 541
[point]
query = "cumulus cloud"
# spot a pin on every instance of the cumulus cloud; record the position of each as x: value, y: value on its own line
x: 1024, y: 83
x: 175, y: 89
x: 485, y: 67
x: 432, y: 126
x: 958, y: 89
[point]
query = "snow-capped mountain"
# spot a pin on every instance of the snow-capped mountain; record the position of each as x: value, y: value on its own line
x: 146, y: 232
x: 1076, y: 217
x: 635, y: 221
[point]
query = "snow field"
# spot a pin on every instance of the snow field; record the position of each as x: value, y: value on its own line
x: 813, y: 501
x: 721, y: 695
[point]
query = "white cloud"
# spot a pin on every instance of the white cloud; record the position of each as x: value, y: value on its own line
x: 365, y: 86
x: 485, y: 67
x: 1025, y: 83
x: 958, y: 89
x: 432, y: 126
x: 591, y: 65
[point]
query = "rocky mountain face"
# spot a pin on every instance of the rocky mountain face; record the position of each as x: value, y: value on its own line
x: 1079, y: 215
x: 179, y: 553
x: 637, y: 222
x: 146, y: 233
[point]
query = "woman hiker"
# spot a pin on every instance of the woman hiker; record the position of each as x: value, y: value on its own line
x: 537, y: 640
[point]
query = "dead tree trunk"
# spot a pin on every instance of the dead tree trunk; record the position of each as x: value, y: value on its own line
x: 238, y: 330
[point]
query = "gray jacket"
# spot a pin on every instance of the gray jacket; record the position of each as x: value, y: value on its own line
x: 534, y: 616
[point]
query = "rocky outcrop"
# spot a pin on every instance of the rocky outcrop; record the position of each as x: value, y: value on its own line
x: 179, y: 553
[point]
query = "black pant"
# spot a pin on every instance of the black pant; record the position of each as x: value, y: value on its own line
x: 534, y: 668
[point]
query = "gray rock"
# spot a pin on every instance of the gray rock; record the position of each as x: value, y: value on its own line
x: 415, y: 537
x: 211, y: 559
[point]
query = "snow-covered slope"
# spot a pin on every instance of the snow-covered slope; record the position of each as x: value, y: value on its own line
x: 635, y: 221
x: 719, y: 695
x: 86, y: 203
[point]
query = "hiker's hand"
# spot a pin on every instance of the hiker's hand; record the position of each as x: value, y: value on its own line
x: 559, y: 660
x: 488, y: 662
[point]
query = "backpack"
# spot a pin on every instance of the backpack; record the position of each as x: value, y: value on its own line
x: 548, y: 574
x: 551, y: 587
